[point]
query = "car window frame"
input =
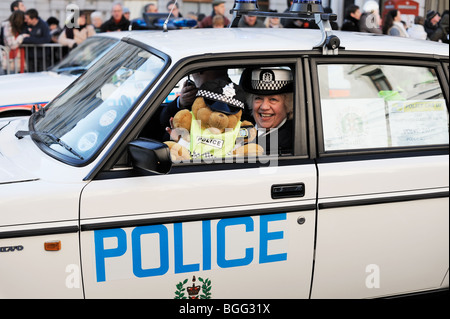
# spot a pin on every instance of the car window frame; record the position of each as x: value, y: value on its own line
x: 174, y: 74
x: 377, y: 59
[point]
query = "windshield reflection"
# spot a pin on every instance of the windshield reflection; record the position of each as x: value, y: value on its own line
x: 79, y: 59
x: 85, y: 115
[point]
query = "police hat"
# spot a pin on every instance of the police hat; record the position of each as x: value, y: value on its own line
x: 223, y: 96
x: 267, y: 81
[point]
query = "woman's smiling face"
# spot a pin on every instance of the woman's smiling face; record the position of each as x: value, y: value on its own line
x: 269, y: 110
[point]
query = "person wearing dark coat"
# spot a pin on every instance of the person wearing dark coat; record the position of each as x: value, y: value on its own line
x: 432, y: 23
x: 352, y: 16
x: 117, y: 22
x: 442, y: 32
x: 39, y: 34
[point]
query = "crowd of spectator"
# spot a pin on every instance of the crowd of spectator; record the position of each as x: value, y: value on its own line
x: 25, y: 26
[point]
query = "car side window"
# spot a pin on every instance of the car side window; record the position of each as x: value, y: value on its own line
x: 370, y: 106
x: 203, y: 142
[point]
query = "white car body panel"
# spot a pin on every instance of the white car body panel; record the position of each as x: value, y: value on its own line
x: 32, y: 88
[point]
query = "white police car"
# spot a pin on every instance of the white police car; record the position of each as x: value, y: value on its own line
x: 91, y: 205
x: 20, y: 92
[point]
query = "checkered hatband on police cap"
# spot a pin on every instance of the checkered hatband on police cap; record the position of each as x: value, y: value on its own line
x: 268, y: 81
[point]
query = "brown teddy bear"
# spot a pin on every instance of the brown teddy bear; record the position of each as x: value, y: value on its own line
x: 213, y: 129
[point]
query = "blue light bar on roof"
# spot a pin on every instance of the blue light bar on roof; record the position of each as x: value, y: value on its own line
x: 307, y: 6
x: 245, y: 5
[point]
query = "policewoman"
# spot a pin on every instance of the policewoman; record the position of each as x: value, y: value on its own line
x: 271, y: 100
x: 224, y: 97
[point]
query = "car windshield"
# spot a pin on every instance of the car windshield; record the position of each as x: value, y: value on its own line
x: 76, y: 124
x: 79, y: 59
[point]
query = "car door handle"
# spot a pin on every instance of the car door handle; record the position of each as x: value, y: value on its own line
x: 288, y: 190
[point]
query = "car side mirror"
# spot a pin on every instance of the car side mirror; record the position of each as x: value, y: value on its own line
x: 150, y: 155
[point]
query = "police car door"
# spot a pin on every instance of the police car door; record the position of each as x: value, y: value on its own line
x: 383, y: 177
x: 227, y: 230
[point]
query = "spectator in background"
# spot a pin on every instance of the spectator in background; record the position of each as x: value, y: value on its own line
x: 417, y: 30
x: 273, y: 22
x: 13, y: 35
x: 393, y: 25
x: 250, y: 22
x: 218, y: 21
x: 37, y: 28
x: 442, y: 32
x: 97, y: 20
x: 117, y: 22
x: 352, y: 17
x: 370, y: 20
x: 173, y: 7
x: 334, y: 25
x: 126, y: 13
x: 17, y: 5
x: 150, y: 8
x: 72, y: 37
x: 218, y: 9
x: 39, y: 34
x: 432, y: 22
x: 55, y: 30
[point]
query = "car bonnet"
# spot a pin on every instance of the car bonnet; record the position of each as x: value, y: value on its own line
x: 10, y: 172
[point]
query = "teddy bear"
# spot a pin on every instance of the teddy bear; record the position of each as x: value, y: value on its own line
x: 213, y: 129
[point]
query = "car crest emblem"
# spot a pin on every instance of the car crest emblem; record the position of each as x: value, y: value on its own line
x: 194, y: 291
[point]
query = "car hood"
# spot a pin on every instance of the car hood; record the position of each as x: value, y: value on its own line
x: 28, y: 88
x: 10, y: 172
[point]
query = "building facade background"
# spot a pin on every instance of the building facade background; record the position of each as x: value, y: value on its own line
x: 57, y: 8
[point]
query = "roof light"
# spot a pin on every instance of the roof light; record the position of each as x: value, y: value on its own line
x: 300, y: 9
x: 307, y: 6
x: 245, y: 5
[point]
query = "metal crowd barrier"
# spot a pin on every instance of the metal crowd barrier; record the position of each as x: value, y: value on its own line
x: 38, y: 57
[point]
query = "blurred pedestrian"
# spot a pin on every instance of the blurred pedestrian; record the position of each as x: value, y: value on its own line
x: 117, y: 22
x: 17, y: 5
x: 39, y: 32
x: 97, y: 21
x: 417, y: 30
x: 37, y: 28
x: 352, y: 17
x: 393, y: 25
x: 218, y: 7
x: 334, y: 25
x: 174, y: 9
x: 13, y: 35
x: 150, y: 8
x: 273, y: 22
x: 370, y: 20
x: 126, y: 13
x: 55, y: 30
x: 218, y: 21
x: 75, y: 34
x: 250, y: 22
x: 432, y: 22
x: 442, y: 32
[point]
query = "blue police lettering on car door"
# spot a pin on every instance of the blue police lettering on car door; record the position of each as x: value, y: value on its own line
x: 265, y: 236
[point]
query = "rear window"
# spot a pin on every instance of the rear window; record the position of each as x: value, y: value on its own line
x: 381, y: 106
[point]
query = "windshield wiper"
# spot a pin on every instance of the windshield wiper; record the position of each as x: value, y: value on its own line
x: 22, y: 134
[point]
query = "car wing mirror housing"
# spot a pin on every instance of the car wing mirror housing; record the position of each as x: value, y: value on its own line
x: 150, y: 155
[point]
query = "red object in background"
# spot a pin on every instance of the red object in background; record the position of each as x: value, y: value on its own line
x: 406, y: 7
